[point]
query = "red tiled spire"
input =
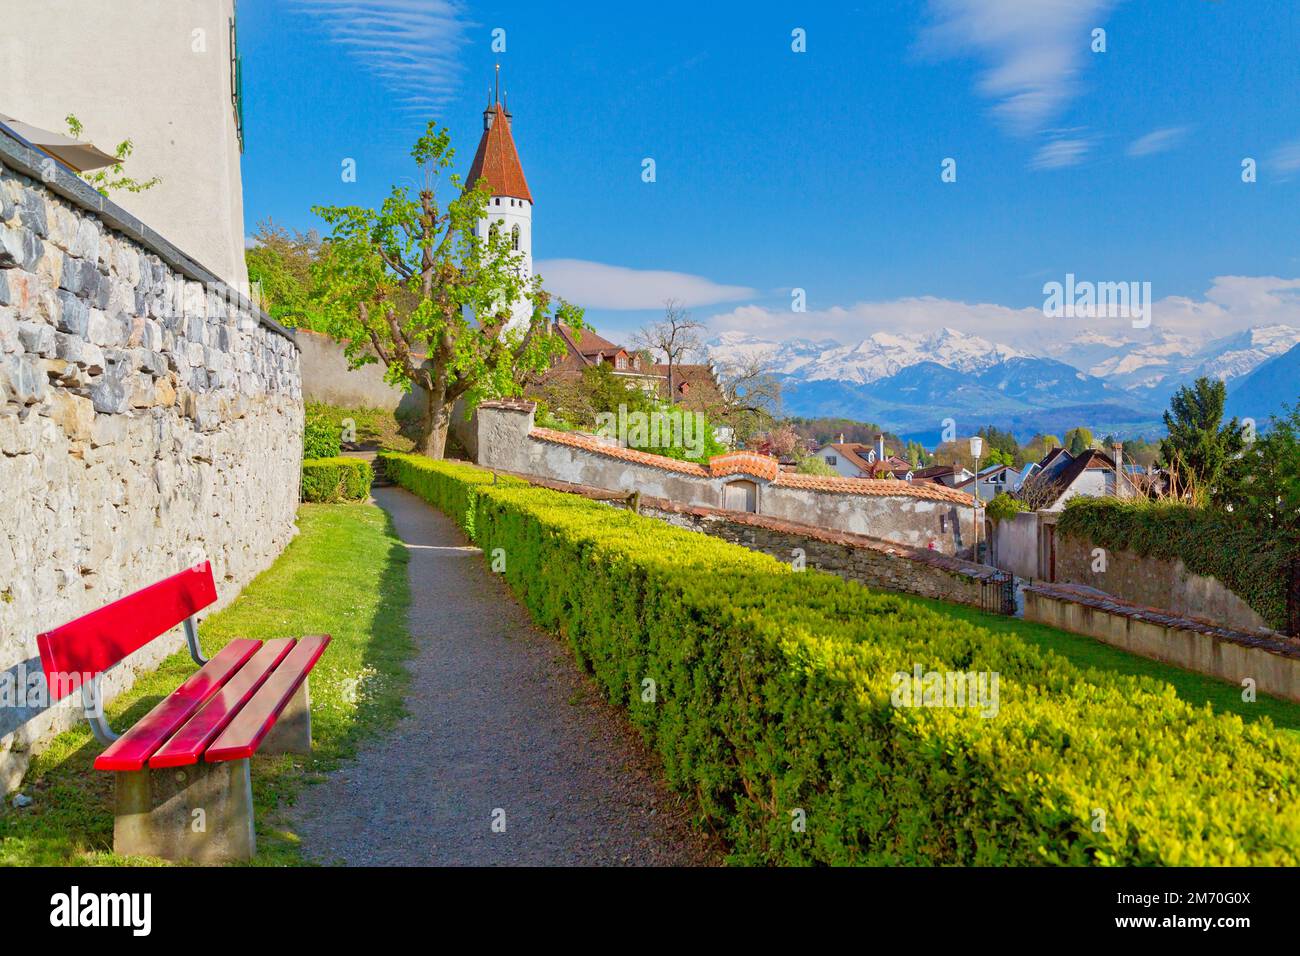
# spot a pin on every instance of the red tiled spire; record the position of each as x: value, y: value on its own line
x: 497, y: 160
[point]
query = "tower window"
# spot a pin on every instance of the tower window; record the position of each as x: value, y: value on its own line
x: 514, y: 238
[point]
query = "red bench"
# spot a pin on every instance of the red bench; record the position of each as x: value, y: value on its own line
x: 183, y: 776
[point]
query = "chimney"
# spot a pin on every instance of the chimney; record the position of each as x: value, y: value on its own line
x: 1117, y: 452
x: 841, y: 438
x: 880, y: 447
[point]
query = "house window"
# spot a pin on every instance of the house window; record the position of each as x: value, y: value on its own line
x: 619, y: 362
x: 832, y: 460
x: 943, y: 523
x: 514, y: 238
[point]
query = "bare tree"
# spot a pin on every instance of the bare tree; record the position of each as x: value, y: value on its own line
x: 1039, y: 492
x: 676, y: 336
x: 751, y: 395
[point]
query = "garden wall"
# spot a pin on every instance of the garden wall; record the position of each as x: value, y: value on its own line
x: 327, y: 378
x: 149, y: 417
x: 1273, y: 663
x: 917, y: 515
x: 1153, y: 582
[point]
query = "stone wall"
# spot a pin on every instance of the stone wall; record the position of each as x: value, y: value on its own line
x: 917, y: 516
x: 875, y: 563
x: 1272, y: 662
x: 1153, y: 582
x: 149, y: 418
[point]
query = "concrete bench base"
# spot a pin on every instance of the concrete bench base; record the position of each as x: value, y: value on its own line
x: 202, y: 813
x: 292, y: 731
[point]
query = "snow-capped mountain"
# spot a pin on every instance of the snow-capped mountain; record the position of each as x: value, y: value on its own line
x: 1237, y: 355
x: 910, y: 381
x: 1158, y: 362
x: 874, y: 358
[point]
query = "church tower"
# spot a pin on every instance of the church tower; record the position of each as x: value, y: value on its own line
x: 510, y: 209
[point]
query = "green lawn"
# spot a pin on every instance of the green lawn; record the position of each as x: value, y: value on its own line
x: 1087, y: 652
x: 345, y: 575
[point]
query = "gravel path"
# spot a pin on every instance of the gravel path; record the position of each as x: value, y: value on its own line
x: 501, y: 719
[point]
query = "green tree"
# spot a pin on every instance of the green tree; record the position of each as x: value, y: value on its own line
x: 1199, y: 442
x: 1263, y: 485
x: 281, y: 266
x: 1078, y: 440
x: 111, y: 177
x: 414, y: 278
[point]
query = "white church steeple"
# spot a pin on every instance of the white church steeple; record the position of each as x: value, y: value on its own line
x: 510, y: 209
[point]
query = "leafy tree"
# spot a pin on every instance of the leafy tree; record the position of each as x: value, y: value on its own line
x: 112, y: 177
x: 1199, y: 442
x: 281, y: 264
x: 1037, y: 448
x: 812, y: 465
x: 1263, y: 485
x: 1078, y: 440
x: 415, y: 278
x: 1002, y: 441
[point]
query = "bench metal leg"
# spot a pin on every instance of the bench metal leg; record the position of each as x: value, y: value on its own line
x: 291, y: 733
x: 202, y: 813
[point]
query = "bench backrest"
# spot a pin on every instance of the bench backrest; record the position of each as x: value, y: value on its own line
x: 83, y: 648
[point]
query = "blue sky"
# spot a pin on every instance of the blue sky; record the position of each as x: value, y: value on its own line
x: 821, y: 170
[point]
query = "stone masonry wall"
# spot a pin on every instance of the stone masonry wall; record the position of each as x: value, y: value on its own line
x: 147, y: 421
x: 874, y: 563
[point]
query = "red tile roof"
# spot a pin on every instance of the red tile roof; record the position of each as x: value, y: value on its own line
x: 497, y: 160
x: 759, y: 466
x: 874, y: 486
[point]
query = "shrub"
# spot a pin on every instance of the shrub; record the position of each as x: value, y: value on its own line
x: 1003, y: 506
x: 812, y: 465
x: 336, y: 479
x: 768, y: 695
x: 320, y: 438
x: 1249, y: 559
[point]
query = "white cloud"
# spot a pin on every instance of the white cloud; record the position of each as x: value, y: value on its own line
x: 1157, y: 141
x: 596, y: 285
x: 1231, y: 304
x: 1062, y: 152
x: 1035, y: 50
x: 1286, y: 159
x: 410, y: 45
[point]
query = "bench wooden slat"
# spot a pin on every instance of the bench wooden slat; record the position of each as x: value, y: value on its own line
x: 96, y: 641
x: 188, y: 744
x: 255, y: 720
x: 137, y: 745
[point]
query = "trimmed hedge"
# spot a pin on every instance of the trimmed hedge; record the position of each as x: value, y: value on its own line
x: 1248, y: 560
x: 772, y: 696
x: 336, y: 479
x: 320, y: 438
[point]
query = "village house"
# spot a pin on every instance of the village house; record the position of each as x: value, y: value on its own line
x: 856, y: 460
x: 694, y: 385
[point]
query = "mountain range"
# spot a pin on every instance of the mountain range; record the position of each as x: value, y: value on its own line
x: 912, y: 383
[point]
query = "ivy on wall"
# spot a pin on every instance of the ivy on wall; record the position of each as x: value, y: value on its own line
x: 1252, y: 562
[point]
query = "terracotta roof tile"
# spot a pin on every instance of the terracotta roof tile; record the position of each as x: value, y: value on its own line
x: 744, y: 463
x: 760, y: 466
x: 497, y: 160
x: 593, y: 444
x: 874, y: 486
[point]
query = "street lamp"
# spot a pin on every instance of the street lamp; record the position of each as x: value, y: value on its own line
x: 977, y: 446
